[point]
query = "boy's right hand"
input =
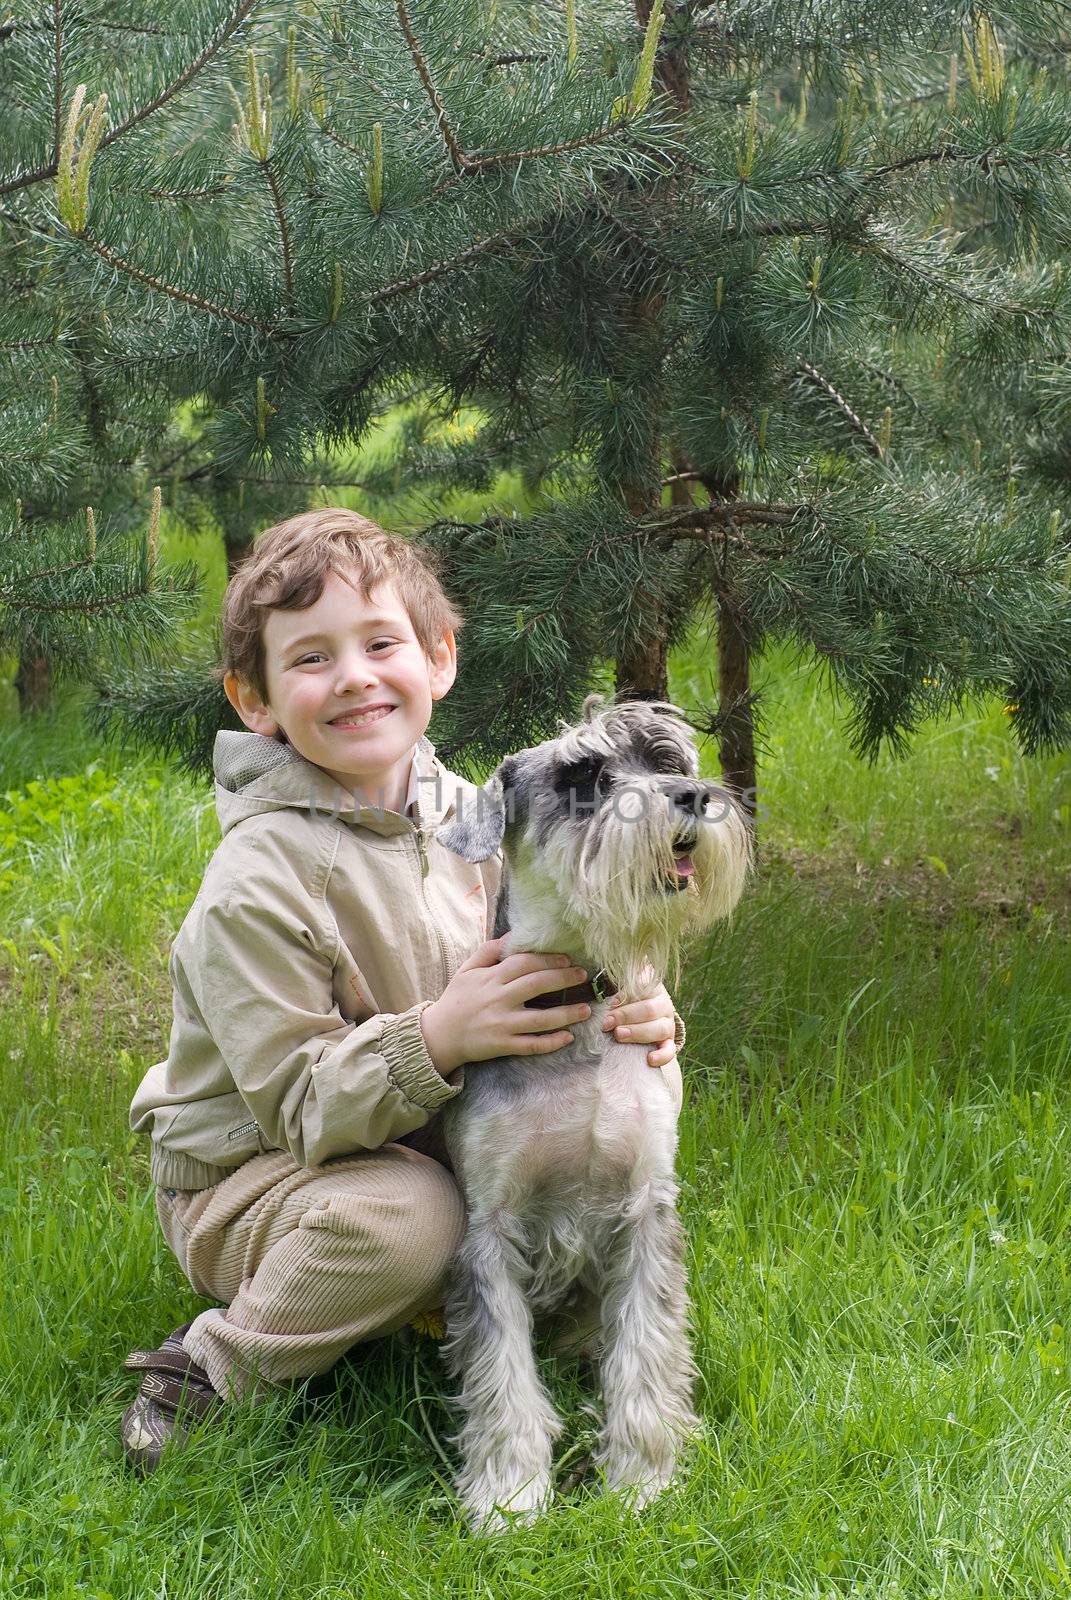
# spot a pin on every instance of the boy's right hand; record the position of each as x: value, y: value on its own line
x: 481, y: 1013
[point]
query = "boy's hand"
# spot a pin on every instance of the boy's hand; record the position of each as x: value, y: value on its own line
x: 648, y: 1021
x: 481, y: 1013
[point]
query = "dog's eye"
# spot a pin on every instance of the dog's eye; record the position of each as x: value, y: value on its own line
x: 581, y: 775
x: 582, y: 781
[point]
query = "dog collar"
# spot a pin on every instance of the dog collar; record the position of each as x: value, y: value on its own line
x: 599, y: 987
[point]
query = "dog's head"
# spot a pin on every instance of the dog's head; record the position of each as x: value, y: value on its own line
x: 613, y: 843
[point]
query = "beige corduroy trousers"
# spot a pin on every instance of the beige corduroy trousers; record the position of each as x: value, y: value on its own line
x: 310, y: 1260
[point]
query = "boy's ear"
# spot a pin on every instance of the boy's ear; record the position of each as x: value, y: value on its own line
x: 249, y: 706
x: 479, y: 824
x: 443, y: 665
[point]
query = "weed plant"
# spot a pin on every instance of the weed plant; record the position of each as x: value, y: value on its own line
x: 874, y: 1158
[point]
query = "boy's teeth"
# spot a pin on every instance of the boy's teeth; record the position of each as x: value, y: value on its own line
x: 355, y: 719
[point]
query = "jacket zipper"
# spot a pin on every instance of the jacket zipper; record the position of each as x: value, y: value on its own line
x: 246, y: 1127
x: 422, y: 857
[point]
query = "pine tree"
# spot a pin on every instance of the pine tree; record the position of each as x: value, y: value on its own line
x: 81, y: 581
x: 744, y: 292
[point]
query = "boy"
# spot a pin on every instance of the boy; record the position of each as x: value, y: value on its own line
x: 330, y: 979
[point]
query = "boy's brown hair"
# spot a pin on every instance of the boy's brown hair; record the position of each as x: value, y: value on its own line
x: 289, y: 566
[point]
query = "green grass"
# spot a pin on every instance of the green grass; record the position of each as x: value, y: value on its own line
x: 874, y: 1158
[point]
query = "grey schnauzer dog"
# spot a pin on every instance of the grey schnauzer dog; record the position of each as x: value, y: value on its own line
x: 613, y: 850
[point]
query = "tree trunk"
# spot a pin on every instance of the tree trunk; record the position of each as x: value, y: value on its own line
x: 641, y: 670
x: 236, y: 554
x: 33, y: 680
x: 736, y: 742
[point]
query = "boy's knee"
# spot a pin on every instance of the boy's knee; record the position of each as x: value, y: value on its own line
x: 407, y: 1236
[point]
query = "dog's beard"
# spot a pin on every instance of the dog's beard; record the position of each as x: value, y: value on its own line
x: 611, y: 887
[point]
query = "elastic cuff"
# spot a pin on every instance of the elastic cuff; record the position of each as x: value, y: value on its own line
x: 680, y: 1032
x: 411, y: 1069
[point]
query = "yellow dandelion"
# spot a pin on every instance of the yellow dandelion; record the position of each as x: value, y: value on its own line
x: 432, y: 1324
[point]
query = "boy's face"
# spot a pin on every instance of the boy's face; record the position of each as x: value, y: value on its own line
x: 350, y: 686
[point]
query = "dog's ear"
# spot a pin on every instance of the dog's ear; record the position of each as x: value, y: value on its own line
x: 477, y: 829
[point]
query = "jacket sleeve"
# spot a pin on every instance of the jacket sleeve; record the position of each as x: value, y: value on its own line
x: 317, y: 1084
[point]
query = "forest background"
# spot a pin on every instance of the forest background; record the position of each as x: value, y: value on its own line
x: 852, y: 476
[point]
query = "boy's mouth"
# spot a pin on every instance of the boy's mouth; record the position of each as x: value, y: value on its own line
x: 360, y: 719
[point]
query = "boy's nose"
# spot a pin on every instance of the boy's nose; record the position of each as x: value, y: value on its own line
x: 354, y: 670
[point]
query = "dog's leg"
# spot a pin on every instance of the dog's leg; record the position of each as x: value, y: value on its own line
x: 510, y: 1423
x: 647, y: 1368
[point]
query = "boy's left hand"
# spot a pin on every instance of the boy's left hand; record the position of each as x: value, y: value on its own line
x: 648, y: 1021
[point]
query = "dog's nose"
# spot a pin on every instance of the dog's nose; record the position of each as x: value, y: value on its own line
x: 691, y: 798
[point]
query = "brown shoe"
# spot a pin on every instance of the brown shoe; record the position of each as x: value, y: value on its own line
x: 175, y: 1397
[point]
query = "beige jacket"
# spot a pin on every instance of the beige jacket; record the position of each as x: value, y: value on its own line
x: 299, y: 974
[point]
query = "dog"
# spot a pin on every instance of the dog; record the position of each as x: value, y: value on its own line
x: 613, y: 850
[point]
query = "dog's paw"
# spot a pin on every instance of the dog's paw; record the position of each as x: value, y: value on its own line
x: 495, y: 1505
x: 641, y: 1469
x: 638, y: 1480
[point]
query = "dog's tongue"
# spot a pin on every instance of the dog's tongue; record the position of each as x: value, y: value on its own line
x: 684, y: 866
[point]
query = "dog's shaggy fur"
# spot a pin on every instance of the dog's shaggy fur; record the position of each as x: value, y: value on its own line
x: 613, y: 850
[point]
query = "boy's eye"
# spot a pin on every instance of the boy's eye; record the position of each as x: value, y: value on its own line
x: 313, y: 656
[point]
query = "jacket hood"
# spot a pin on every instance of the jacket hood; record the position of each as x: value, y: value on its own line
x: 255, y: 774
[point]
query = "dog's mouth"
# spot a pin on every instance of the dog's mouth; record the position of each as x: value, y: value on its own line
x: 683, y: 871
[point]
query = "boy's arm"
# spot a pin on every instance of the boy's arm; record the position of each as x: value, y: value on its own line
x: 318, y: 1085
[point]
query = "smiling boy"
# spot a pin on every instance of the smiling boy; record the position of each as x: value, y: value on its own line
x: 331, y: 977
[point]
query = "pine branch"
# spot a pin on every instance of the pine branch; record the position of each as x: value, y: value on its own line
x: 986, y: 159
x: 211, y: 49
x: 854, y: 419
x: 175, y: 87
x: 177, y: 711
x: 932, y: 280
x: 952, y: 154
x: 419, y: 279
x: 454, y: 150
x: 501, y: 158
x: 11, y: 596
x: 777, y: 228
x: 694, y: 521
x: 187, y: 194
x: 132, y: 28
x: 207, y: 473
x: 19, y: 602
x: 891, y: 381
x: 163, y: 468
x: 57, y: 78
x: 465, y: 164
x: 173, y: 291
x: 284, y: 233
x: 343, y: 144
